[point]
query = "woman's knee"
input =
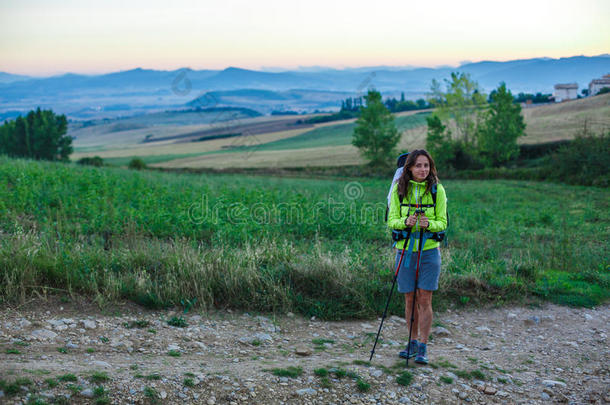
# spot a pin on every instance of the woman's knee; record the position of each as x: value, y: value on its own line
x: 424, y: 297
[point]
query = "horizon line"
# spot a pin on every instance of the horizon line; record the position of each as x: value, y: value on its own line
x: 280, y: 69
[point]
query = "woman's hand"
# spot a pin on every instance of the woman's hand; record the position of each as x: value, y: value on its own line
x: 411, y: 221
x: 423, y: 221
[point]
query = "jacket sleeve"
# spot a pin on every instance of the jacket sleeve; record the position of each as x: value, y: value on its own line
x: 395, y: 221
x: 439, y: 222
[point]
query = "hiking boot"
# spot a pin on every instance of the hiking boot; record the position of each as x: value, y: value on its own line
x: 422, y: 351
x: 412, y: 351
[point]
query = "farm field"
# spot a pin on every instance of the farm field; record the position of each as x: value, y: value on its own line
x: 100, y: 134
x: 327, y: 144
x: 317, y: 247
x: 560, y: 121
x: 164, y: 151
x: 249, y: 151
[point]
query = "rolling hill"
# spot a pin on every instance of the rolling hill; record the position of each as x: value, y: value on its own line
x: 140, y: 91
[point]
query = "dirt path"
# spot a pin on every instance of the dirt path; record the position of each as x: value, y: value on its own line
x: 509, y: 355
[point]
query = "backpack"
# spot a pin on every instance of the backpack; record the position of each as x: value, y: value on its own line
x: 397, y: 235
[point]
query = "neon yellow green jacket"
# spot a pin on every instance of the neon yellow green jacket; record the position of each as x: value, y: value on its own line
x: 398, y: 214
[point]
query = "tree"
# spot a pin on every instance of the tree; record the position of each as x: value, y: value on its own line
x: 40, y: 135
x: 461, y: 105
x: 438, y: 143
x: 497, y: 139
x: 375, y: 134
x: 458, y: 117
x: 603, y: 90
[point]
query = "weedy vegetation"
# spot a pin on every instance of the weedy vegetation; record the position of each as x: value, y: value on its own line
x: 178, y: 322
x: 98, y: 377
x: 140, y: 323
x: 67, y: 378
x: 277, y: 244
x: 446, y: 379
x: 405, y: 378
x: 291, y: 372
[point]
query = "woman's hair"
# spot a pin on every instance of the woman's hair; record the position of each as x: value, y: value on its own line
x: 403, y: 182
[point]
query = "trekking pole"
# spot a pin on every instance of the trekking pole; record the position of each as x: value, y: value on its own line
x: 419, y: 210
x: 387, y: 304
x: 419, y: 249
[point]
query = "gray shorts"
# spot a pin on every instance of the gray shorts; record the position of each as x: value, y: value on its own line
x: 429, y: 271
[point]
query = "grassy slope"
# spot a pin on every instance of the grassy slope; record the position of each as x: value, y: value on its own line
x: 564, y: 120
x: 336, y: 135
x: 270, y: 243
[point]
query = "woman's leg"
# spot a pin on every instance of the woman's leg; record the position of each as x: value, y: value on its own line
x: 424, y: 302
x: 408, y: 307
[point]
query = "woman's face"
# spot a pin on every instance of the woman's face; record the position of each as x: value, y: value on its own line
x: 421, y: 168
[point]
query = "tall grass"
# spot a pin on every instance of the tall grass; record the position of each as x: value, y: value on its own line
x: 274, y: 244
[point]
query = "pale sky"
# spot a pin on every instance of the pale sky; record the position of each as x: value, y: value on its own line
x: 44, y: 37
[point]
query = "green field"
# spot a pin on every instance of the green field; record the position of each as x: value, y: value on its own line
x: 265, y: 243
x: 151, y: 159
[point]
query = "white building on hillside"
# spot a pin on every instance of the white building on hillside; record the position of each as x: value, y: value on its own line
x: 564, y: 92
x: 597, y: 84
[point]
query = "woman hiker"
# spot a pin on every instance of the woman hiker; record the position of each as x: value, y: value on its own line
x: 412, y: 191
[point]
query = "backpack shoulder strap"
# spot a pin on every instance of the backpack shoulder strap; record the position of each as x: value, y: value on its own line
x: 433, y: 192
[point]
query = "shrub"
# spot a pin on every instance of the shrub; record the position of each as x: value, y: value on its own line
x: 584, y: 161
x: 137, y: 164
x: 91, y: 161
x: 538, y: 150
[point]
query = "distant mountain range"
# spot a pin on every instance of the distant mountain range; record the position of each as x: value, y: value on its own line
x: 141, y: 90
